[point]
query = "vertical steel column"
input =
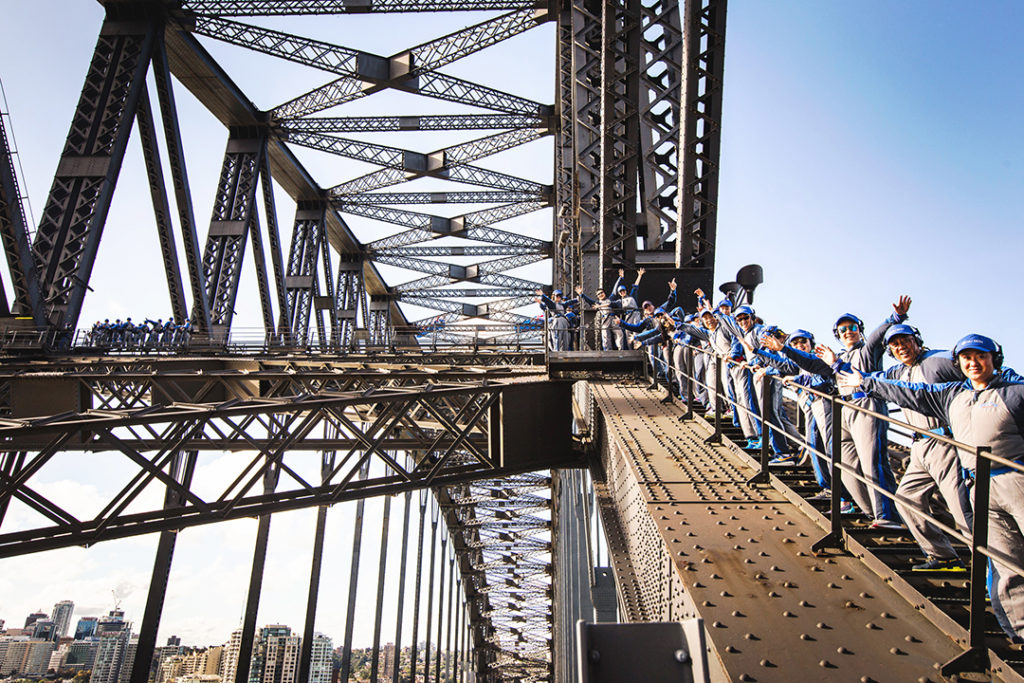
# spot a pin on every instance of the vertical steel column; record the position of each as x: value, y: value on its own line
x: 229, y: 226
x: 440, y: 606
x: 566, y: 243
x: 252, y: 601
x: 161, y: 207
x: 182, y: 193
x: 448, y: 621
x: 353, y: 582
x: 424, y: 495
x: 434, y: 516
x: 661, y: 65
x: 262, y: 284
x: 620, y: 132
x: 704, y: 45
x: 382, y: 563
x: 348, y: 294
x: 306, y: 235
x: 571, y: 580
x: 181, y: 468
x: 325, y: 299
x: 396, y: 668
x: 586, y: 121
x: 72, y: 222
x: 306, y: 653
x: 274, y: 237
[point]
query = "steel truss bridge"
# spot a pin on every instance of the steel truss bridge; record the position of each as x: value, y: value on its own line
x: 526, y: 465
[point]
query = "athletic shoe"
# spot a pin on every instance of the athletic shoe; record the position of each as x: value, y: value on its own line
x: 885, y: 524
x: 823, y: 494
x: 784, y: 459
x: 847, y: 508
x: 753, y: 444
x: 939, y: 564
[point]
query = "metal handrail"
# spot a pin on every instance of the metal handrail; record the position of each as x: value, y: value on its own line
x: 976, y: 655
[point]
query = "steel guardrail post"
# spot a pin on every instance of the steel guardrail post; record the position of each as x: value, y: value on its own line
x: 717, y: 436
x: 975, y: 658
x: 762, y: 476
x: 836, y: 537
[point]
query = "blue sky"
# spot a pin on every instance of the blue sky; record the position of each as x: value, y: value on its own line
x: 869, y: 149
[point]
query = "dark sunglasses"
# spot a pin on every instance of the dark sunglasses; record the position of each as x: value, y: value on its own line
x: 743, y: 316
x: 851, y: 328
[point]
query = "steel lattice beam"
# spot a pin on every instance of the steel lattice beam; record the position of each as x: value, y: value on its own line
x: 248, y: 8
x: 704, y: 41
x: 14, y: 235
x: 72, y: 222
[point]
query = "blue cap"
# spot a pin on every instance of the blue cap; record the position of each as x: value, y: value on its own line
x: 743, y: 309
x: 724, y: 302
x: 978, y: 343
x: 847, y: 316
x: 797, y: 334
x: 556, y: 292
x: 897, y: 330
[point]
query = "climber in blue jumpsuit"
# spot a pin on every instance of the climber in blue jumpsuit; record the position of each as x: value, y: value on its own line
x: 863, y: 441
x: 986, y: 409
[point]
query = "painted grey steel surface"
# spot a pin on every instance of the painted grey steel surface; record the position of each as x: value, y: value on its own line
x: 690, y: 538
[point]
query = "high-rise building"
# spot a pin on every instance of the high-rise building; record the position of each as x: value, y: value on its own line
x: 82, y: 654
x: 113, y: 633
x: 26, y: 655
x: 229, y: 660
x: 321, y: 664
x: 211, y: 661
x: 264, y: 638
x: 387, y: 663
x: 61, y: 617
x: 86, y: 628
x: 34, y: 617
x: 281, y: 660
x: 112, y: 623
x: 128, y: 660
x: 44, y: 629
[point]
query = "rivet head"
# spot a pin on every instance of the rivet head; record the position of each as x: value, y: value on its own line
x: 681, y: 656
x: 767, y: 664
x: 718, y: 624
x: 595, y: 656
x: 806, y: 636
x: 751, y: 636
x: 897, y: 651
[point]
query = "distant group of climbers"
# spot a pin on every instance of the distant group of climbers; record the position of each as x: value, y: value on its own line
x: 965, y: 394
x: 150, y: 334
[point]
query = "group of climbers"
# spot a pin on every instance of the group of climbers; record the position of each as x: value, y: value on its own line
x: 965, y: 394
x: 149, y: 335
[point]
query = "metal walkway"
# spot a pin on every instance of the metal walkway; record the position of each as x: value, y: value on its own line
x: 739, y: 557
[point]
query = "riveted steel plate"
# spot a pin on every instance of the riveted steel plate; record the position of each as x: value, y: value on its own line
x: 690, y: 538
